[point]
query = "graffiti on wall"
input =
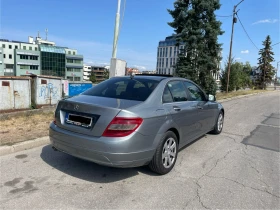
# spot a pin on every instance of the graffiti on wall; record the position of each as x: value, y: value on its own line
x: 48, y: 91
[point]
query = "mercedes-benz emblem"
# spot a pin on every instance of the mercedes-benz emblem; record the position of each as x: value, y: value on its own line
x: 76, y: 107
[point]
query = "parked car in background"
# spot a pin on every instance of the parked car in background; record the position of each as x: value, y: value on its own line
x: 136, y: 120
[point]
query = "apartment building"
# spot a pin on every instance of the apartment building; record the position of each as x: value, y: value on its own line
x: 99, y: 72
x: 40, y: 57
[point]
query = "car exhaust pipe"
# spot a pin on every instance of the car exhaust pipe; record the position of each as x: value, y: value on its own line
x: 54, y: 148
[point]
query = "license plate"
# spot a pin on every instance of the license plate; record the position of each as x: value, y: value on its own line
x: 78, y: 120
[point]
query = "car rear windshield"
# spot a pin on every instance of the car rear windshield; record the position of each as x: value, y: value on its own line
x: 137, y: 89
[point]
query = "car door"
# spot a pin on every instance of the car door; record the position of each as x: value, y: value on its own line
x: 183, y: 111
x: 206, y: 109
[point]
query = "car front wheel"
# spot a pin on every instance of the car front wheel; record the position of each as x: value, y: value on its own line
x: 165, y: 155
x: 219, y: 124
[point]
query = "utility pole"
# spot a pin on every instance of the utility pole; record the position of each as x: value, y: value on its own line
x: 234, y: 20
x: 116, y: 34
x: 275, y: 83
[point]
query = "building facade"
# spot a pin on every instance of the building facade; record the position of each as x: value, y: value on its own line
x: 98, y: 71
x: 167, y: 57
x: 40, y: 57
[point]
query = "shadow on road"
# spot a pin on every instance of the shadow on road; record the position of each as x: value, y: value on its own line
x: 88, y: 171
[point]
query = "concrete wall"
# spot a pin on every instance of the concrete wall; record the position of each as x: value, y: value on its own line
x: 47, y: 90
x: 15, y: 93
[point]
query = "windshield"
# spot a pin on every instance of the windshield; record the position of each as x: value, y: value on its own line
x: 138, y: 89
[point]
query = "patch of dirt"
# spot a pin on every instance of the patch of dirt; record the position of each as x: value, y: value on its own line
x: 18, y: 129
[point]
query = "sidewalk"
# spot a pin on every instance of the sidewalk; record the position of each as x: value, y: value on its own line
x: 5, y: 150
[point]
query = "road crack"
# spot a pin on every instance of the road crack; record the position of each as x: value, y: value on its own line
x: 245, y: 186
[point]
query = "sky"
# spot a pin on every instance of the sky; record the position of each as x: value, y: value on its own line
x: 88, y: 26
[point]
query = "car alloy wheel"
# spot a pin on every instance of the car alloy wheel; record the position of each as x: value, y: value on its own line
x: 169, y: 152
x: 165, y: 156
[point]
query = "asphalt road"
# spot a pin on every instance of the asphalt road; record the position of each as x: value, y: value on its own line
x: 238, y: 169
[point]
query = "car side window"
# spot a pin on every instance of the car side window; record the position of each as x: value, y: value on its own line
x: 195, y: 93
x: 167, y: 97
x: 178, y: 91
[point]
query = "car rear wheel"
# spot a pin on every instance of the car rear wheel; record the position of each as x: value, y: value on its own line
x: 219, y: 124
x: 165, y: 155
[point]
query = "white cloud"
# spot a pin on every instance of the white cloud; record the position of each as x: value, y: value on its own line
x: 141, y: 68
x: 244, y: 51
x: 266, y: 21
x: 238, y: 58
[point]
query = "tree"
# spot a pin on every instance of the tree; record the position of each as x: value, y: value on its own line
x: 197, y: 29
x: 92, y: 77
x: 239, y: 76
x: 106, y: 74
x: 265, y: 60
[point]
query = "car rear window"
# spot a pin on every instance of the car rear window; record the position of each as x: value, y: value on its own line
x: 137, y: 89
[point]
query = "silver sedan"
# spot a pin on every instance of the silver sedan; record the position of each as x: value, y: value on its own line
x: 135, y: 120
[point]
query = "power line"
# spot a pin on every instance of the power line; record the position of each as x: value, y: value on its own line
x: 275, y: 44
x: 246, y: 32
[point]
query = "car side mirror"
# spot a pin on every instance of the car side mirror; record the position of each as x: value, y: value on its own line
x: 211, y: 98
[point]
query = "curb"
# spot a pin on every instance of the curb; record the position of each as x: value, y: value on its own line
x: 5, y: 150
x: 238, y: 97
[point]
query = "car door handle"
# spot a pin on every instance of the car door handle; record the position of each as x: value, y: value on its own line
x: 199, y: 107
x: 176, y: 108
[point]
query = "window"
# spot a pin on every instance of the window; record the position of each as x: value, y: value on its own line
x: 24, y: 67
x: 16, y: 47
x: 178, y: 91
x: 163, y: 50
x: 34, y: 67
x: 167, y: 97
x: 33, y: 57
x: 166, y: 51
x: 195, y: 93
x: 24, y: 47
x: 69, y: 52
x: 70, y: 78
x: 4, y: 55
x: 170, y: 51
x: 74, y: 53
x: 23, y: 57
x: 166, y: 62
x: 10, y: 46
x: 10, y: 56
x: 36, y: 48
x: 137, y: 89
x: 77, y: 78
x: 30, y: 48
x: 3, y: 45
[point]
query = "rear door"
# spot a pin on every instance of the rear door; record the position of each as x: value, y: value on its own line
x: 183, y: 111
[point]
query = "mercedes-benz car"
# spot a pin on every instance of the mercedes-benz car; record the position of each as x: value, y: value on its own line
x: 132, y: 121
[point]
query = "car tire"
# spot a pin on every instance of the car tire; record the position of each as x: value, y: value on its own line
x: 219, y: 124
x: 166, y: 154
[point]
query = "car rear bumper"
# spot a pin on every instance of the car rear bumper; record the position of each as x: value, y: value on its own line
x: 99, y: 150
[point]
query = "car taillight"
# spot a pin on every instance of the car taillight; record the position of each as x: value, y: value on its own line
x: 122, y: 126
x: 54, y: 122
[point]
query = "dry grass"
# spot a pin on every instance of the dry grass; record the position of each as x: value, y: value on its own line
x: 220, y: 96
x: 17, y: 129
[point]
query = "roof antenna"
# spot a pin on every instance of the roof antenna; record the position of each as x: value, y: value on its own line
x: 131, y: 75
x: 38, y: 34
x: 46, y: 34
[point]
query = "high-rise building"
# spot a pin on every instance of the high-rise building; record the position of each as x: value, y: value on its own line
x: 167, y: 57
x: 40, y: 57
